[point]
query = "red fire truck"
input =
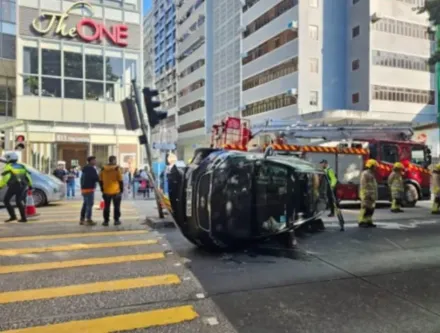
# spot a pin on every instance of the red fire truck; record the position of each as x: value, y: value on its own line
x: 346, y: 148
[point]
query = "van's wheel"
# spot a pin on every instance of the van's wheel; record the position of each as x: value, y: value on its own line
x: 410, y: 196
x: 39, y: 198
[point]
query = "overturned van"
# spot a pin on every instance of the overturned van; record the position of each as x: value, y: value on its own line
x: 224, y: 199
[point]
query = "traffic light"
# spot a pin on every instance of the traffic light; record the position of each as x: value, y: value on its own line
x: 154, y: 117
x: 129, y: 112
x: 19, y: 142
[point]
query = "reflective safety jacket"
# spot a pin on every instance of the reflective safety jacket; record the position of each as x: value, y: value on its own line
x: 395, y: 183
x: 368, y: 186
x: 435, y: 180
x: 331, y: 177
x: 15, y: 173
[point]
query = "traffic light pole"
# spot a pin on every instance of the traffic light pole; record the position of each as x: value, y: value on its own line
x: 144, y: 129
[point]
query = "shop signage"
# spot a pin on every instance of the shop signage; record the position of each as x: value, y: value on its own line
x: 73, y: 138
x: 86, y: 29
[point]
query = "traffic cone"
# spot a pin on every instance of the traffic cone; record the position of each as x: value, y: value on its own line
x: 31, y: 210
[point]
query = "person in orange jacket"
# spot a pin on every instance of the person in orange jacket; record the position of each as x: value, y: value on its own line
x: 112, y: 187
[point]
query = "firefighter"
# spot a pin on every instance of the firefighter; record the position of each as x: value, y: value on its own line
x: 333, y: 181
x: 368, y: 194
x: 18, y: 179
x: 436, y: 189
x: 396, y: 186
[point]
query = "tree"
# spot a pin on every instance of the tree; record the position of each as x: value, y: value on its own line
x: 432, y: 8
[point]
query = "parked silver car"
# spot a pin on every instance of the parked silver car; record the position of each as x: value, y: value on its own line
x: 46, y: 188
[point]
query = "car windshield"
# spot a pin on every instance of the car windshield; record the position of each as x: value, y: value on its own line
x: 417, y: 155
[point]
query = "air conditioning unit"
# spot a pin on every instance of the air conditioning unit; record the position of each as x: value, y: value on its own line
x: 244, y: 55
x: 242, y: 107
x: 293, y: 25
x: 243, y: 3
x: 292, y: 92
x: 242, y: 28
x: 375, y: 17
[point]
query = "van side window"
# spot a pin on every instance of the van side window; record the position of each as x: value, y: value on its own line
x: 373, y: 150
x: 390, y: 153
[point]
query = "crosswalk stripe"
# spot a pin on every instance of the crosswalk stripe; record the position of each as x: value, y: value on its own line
x: 74, y: 235
x: 125, y: 322
x: 88, y: 288
x: 64, y: 217
x: 43, y: 219
x: 70, y: 212
x: 73, y: 247
x: 79, y: 263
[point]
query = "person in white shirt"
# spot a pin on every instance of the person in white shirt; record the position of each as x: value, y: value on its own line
x: 127, y: 182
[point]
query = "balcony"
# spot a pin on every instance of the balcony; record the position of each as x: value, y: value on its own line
x: 287, y: 51
x: 191, y: 78
x: 191, y: 39
x: 389, y: 76
x: 186, y: 5
x: 258, y: 9
x: 194, y: 134
x: 193, y: 18
x: 271, y: 88
x: 193, y: 96
x: 198, y: 114
x: 281, y: 113
x: 270, y: 30
x: 192, y: 58
x: 400, y: 44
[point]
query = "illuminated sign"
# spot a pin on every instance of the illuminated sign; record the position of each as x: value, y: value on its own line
x: 86, y: 29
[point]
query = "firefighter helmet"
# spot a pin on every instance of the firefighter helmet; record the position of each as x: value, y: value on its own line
x: 398, y: 165
x: 370, y: 163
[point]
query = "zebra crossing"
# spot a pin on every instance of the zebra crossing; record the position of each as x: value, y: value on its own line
x: 58, y: 276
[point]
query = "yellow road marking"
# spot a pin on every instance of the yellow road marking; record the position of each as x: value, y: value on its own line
x: 43, y: 219
x: 88, y: 288
x: 79, y: 263
x: 118, y: 323
x: 73, y: 247
x: 63, y: 217
x: 75, y: 235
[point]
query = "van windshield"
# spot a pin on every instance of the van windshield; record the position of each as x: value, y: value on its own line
x: 417, y: 155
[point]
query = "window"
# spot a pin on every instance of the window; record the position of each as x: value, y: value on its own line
x: 7, y: 46
x: 355, y: 98
x: 355, y: 31
x: 73, y: 65
x: 390, y: 153
x: 51, y: 62
x: 355, y: 2
x: 6, y: 98
x: 191, y: 126
x: 355, y: 65
x: 314, y: 65
x: 402, y: 28
x: 418, y: 155
x: 95, y: 91
x: 94, y: 67
x: 30, y: 60
x: 268, y: 104
x: 114, y: 69
x: 313, y: 3
x: 372, y: 147
x: 314, y: 98
x: 397, y: 60
x: 30, y: 85
x: 313, y: 32
x: 400, y: 94
x: 50, y: 87
x: 73, y: 89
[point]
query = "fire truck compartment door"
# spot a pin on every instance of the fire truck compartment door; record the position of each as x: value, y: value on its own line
x: 318, y: 157
x: 349, y: 168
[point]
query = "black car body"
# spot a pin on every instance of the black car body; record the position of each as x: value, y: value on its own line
x: 228, y: 198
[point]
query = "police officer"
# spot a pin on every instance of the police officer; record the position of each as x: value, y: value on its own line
x: 396, y: 186
x: 435, y: 180
x: 368, y: 194
x: 18, y: 179
x: 333, y: 181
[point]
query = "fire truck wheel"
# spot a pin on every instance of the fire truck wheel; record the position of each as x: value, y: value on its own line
x: 411, y: 195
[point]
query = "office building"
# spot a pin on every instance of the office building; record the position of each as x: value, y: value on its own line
x: 71, y: 73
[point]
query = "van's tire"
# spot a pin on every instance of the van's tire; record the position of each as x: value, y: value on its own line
x: 410, y: 195
x: 40, y: 198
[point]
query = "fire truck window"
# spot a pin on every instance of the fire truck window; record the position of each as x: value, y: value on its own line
x: 373, y: 151
x: 417, y: 155
x: 390, y: 154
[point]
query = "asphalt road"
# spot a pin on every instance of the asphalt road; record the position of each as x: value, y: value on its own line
x: 363, y: 280
x: 58, y: 276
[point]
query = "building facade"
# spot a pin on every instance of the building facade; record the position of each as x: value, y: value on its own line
x: 74, y: 64
x: 149, y: 60
x: 359, y: 60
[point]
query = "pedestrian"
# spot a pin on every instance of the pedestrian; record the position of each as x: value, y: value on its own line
x: 112, y: 187
x: 89, y: 179
x: 396, y: 186
x: 18, y: 179
x: 71, y: 178
x: 435, y: 181
x: 127, y: 182
x: 136, y: 183
x: 368, y: 194
x: 331, y: 189
x: 60, y: 172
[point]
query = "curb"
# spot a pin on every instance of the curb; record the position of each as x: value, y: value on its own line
x: 158, y: 223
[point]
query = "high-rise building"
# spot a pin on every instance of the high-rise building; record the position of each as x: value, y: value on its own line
x: 70, y: 76
x: 149, y: 69
x: 164, y: 17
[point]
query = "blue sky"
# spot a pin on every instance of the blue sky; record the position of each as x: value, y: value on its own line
x: 147, y: 5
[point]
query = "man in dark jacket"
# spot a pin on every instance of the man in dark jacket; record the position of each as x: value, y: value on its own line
x: 89, y: 179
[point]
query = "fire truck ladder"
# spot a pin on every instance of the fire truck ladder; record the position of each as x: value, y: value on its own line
x: 289, y: 129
